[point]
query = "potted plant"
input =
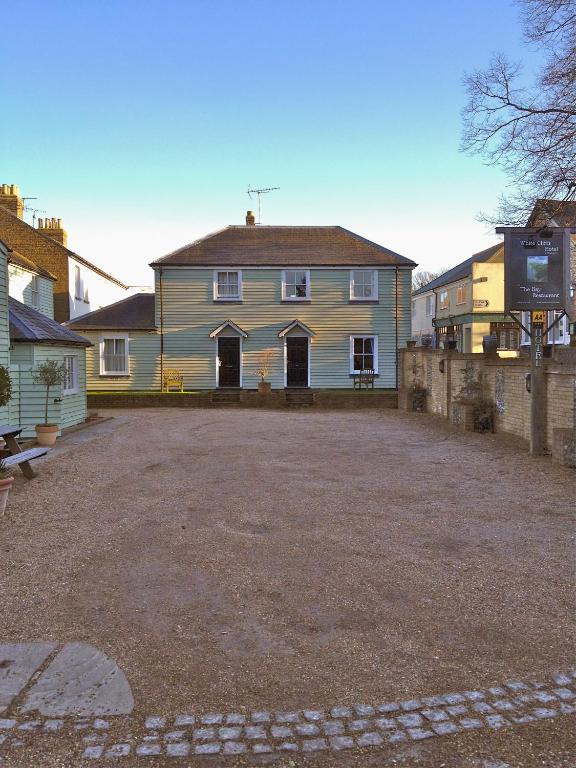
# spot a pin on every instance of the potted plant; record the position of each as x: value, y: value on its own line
x: 48, y: 374
x: 6, y: 480
x: 263, y: 370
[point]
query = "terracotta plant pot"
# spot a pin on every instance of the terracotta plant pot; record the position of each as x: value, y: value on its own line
x: 5, y: 485
x: 264, y: 387
x: 46, y: 434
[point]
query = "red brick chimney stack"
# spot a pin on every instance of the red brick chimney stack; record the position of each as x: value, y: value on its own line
x: 54, y: 229
x: 250, y: 219
x: 10, y: 199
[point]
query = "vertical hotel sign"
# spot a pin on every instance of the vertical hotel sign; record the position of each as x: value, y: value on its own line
x: 536, y: 268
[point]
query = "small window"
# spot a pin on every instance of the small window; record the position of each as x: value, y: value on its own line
x: 295, y: 284
x: 35, y: 291
x: 227, y: 285
x: 363, y: 285
x: 413, y: 309
x: 114, y: 356
x: 363, y: 354
x: 70, y: 386
x: 429, y: 306
x: 78, y: 288
x: 443, y: 299
x: 461, y: 294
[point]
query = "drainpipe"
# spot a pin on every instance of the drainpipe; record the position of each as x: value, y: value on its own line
x: 161, y: 330
x: 396, y: 313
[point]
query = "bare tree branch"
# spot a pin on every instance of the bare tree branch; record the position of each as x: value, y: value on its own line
x: 530, y: 131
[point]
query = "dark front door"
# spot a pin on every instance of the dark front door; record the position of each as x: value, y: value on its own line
x: 296, y: 361
x: 229, y: 357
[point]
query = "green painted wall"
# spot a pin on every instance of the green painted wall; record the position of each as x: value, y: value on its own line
x: 27, y: 406
x: 20, y: 288
x: 190, y: 314
x: 144, y: 363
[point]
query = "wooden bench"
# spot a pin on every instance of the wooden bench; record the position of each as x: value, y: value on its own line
x: 364, y: 378
x: 173, y: 378
x: 15, y: 456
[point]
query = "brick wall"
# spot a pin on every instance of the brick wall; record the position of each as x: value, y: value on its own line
x: 43, y: 251
x: 441, y: 373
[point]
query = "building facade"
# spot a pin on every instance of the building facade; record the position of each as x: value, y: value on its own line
x: 468, y: 303
x: 313, y: 306
x: 79, y: 286
x: 30, y: 336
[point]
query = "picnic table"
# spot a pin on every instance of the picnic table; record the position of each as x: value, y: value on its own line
x: 15, y: 456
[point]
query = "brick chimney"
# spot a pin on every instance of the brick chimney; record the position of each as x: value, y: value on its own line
x: 10, y: 199
x: 250, y: 219
x: 54, y: 229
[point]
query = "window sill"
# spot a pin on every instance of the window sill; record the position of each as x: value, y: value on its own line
x: 114, y: 375
x: 357, y: 373
x: 69, y: 392
x: 296, y: 301
x: 363, y: 301
x: 228, y: 301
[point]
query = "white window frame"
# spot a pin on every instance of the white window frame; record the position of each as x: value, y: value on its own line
x: 75, y: 388
x: 442, y: 305
x: 126, y: 371
x: 296, y: 298
x: 375, y: 352
x: 35, y: 291
x: 218, y: 298
x: 374, y: 294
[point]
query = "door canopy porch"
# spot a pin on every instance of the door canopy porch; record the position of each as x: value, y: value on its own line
x: 296, y: 325
x: 232, y: 326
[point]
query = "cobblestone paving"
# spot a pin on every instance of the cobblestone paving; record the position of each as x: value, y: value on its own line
x: 338, y: 728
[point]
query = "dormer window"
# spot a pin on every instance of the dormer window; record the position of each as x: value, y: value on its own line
x: 363, y: 285
x: 227, y: 285
x: 295, y: 285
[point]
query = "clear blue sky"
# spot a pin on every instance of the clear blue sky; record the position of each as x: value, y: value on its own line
x: 141, y: 122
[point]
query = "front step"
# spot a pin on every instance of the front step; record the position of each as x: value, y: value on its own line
x: 225, y: 397
x: 299, y: 397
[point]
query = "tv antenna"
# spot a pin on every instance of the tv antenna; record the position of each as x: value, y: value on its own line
x: 34, y: 210
x: 260, y: 192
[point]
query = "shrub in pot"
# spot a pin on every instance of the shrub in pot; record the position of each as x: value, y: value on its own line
x: 48, y: 374
x: 263, y: 370
x: 6, y: 480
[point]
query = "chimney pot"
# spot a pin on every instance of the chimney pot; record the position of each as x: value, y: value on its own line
x: 250, y: 219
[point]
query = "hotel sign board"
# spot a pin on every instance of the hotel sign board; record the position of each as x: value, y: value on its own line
x: 536, y: 268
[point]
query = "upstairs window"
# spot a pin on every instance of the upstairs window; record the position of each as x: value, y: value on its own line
x: 295, y: 284
x: 70, y: 386
x: 429, y: 306
x: 78, y: 287
x: 363, y: 354
x: 461, y: 294
x: 35, y: 291
x: 227, y: 285
x: 443, y: 299
x: 363, y: 285
x: 114, y: 356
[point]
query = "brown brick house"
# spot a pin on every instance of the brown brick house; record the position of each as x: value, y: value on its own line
x: 80, y: 286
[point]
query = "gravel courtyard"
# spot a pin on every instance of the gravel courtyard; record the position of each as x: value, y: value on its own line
x: 245, y: 560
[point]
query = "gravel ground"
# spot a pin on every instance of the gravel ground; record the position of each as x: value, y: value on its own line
x: 231, y: 559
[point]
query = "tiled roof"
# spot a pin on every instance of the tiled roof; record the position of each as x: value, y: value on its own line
x: 460, y: 270
x: 29, y: 325
x: 133, y: 313
x: 560, y: 213
x: 23, y: 261
x: 283, y: 246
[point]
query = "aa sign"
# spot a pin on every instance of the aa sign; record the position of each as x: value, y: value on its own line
x: 538, y: 317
